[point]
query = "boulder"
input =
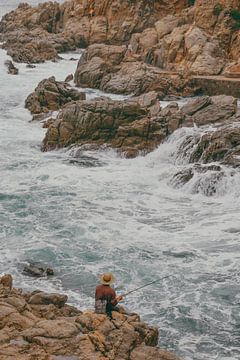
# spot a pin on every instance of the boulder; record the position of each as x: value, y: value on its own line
x: 209, y: 110
x: 51, y: 95
x: 69, y: 78
x: 166, y: 25
x: 218, y: 145
x: 37, y: 270
x: 123, y: 125
x: 42, y: 298
x: 11, y: 67
x: 6, y: 281
x: 204, y: 179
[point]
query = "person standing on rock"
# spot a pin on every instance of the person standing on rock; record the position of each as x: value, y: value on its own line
x: 105, y: 296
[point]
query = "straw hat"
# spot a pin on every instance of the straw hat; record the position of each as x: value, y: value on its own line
x: 107, y: 279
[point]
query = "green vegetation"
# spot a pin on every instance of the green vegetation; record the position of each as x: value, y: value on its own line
x: 218, y: 8
x: 191, y: 2
x: 235, y: 15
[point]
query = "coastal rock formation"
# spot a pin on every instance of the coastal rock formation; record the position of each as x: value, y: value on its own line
x: 51, y: 95
x: 199, y: 39
x: 204, y: 179
x: 40, y: 326
x: 139, y: 125
x: 110, y: 69
x: 11, y: 67
x: 51, y: 28
x: 125, y: 125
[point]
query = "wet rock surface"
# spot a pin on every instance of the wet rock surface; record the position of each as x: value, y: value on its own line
x: 37, y: 270
x: 51, y: 95
x: 11, y: 67
x: 40, y: 326
x: 138, y: 125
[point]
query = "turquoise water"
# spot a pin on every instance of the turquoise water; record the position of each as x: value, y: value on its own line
x: 100, y: 212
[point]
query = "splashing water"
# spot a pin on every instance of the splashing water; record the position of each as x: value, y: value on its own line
x: 101, y: 212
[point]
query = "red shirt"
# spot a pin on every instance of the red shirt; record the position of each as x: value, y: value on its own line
x: 105, y: 292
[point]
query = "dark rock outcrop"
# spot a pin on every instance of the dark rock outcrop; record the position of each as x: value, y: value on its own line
x: 11, y: 67
x: 51, y: 95
x: 37, y: 270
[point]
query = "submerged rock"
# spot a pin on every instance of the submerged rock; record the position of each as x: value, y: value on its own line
x: 205, y: 179
x: 37, y: 270
x: 11, y: 67
x: 42, y: 326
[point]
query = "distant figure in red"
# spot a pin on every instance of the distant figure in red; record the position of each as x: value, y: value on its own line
x: 105, y: 296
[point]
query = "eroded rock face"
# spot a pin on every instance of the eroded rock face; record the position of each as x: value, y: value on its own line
x: 112, y: 69
x: 43, y: 330
x: 51, y: 95
x: 124, y: 125
x: 139, y: 125
x: 37, y: 34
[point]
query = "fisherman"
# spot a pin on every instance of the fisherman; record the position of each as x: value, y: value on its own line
x: 105, y: 296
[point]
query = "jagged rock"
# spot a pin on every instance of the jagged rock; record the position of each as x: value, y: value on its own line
x: 172, y: 36
x: 47, y: 332
x: 138, y: 125
x: 69, y: 78
x: 96, y: 70
x: 11, y: 68
x: 50, y: 28
x: 217, y: 145
x: 207, y: 183
x: 42, y: 298
x: 6, y: 281
x: 37, y: 270
x: 209, y: 110
x: 51, y: 95
x: 124, y: 125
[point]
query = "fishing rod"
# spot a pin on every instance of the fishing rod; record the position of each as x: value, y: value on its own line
x: 143, y: 286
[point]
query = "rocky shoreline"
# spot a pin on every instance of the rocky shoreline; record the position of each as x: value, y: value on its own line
x: 41, y: 326
x: 150, y: 51
x: 149, y: 58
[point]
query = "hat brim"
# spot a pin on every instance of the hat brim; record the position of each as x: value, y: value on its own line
x: 111, y: 281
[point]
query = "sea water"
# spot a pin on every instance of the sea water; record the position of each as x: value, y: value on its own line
x: 100, y: 212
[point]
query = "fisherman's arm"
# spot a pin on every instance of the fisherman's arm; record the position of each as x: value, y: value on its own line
x: 115, y: 300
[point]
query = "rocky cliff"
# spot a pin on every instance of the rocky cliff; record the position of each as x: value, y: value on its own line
x: 41, y: 326
x: 185, y: 36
